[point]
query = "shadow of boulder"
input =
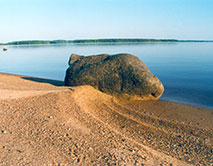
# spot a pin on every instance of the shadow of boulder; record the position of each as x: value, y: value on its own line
x: 44, y: 80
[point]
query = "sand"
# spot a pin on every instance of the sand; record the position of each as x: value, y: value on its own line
x: 44, y: 123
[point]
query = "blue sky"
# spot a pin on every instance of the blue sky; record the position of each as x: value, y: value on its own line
x: 83, y: 19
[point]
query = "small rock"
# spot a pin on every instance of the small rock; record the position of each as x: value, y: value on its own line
x: 19, y: 151
x: 3, y: 131
x: 179, y: 136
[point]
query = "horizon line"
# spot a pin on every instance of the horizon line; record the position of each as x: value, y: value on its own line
x: 108, y: 39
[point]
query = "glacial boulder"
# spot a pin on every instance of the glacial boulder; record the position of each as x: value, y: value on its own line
x: 121, y: 75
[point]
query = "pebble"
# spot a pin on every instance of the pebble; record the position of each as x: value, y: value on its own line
x: 179, y: 136
x: 19, y: 151
x: 3, y: 131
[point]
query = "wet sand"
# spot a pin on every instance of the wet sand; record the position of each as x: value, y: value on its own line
x: 42, y: 122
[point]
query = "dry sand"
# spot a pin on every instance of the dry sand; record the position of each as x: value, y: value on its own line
x: 45, y: 123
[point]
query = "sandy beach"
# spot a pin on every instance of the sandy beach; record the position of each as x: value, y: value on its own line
x: 43, y: 122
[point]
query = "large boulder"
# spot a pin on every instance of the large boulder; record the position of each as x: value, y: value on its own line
x: 121, y: 75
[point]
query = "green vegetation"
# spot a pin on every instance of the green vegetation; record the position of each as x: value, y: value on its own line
x: 123, y: 40
x: 27, y: 42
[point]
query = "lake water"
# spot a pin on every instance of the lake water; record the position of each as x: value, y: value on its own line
x: 186, y: 69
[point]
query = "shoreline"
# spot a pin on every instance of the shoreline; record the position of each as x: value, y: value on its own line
x: 187, y: 103
x: 61, y: 83
x: 44, y: 122
x: 99, y: 41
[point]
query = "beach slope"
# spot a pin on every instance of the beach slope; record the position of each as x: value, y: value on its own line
x: 44, y: 122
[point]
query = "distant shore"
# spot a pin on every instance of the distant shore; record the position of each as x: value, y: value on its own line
x: 96, y: 41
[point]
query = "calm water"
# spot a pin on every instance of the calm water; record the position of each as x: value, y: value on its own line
x: 186, y: 69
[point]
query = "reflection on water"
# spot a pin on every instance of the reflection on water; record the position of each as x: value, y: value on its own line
x: 184, y: 68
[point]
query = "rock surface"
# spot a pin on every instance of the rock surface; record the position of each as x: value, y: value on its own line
x: 121, y: 75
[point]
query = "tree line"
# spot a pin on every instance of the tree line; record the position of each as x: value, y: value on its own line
x: 27, y: 42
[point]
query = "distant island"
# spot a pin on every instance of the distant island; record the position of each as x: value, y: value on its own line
x: 27, y: 42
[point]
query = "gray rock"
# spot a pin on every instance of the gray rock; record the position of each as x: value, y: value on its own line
x: 120, y: 75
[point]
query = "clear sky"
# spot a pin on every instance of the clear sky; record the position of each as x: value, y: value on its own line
x: 84, y: 19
